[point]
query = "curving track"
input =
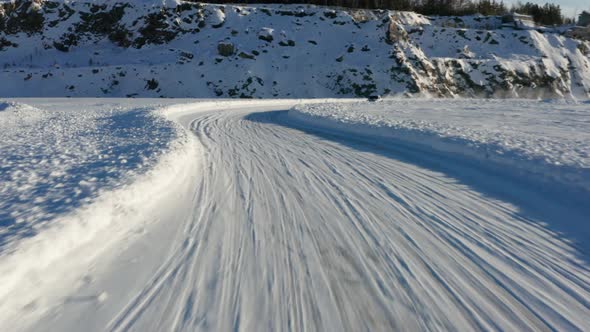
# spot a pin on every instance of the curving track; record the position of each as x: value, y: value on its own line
x: 294, y: 229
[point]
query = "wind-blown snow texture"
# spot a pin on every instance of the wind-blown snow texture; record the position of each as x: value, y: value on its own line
x: 183, y: 49
x: 76, y: 178
x: 52, y: 161
x: 547, y: 140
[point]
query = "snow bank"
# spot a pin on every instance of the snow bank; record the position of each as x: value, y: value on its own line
x: 38, y: 269
x: 547, y: 140
x: 54, y: 161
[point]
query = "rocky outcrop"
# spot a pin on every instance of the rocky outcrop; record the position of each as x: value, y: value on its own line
x: 225, y: 49
x: 130, y: 49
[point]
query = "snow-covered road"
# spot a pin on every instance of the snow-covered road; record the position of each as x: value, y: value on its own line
x: 291, y: 228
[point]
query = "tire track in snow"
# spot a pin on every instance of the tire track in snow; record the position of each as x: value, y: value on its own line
x: 295, y: 232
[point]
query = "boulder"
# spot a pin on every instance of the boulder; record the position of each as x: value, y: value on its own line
x: 396, y: 32
x: 266, y: 34
x: 225, y: 48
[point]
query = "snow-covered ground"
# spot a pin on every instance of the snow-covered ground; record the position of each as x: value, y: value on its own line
x: 545, y: 139
x: 73, y: 175
x: 56, y: 157
x: 80, y: 179
x: 255, y: 215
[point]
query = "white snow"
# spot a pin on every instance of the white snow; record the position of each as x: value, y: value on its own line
x: 284, y: 214
x: 548, y: 139
x: 248, y: 220
x: 54, y: 160
x: 333, y: 53
x: 215, y: 16
x: 77, y: 178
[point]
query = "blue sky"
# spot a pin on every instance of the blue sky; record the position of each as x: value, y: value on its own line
x: 569, y: 7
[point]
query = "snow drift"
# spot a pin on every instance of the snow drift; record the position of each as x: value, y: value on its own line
x: 545, y: 141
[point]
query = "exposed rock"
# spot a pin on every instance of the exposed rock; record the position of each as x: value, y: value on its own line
x: 266, y: 34
x: 396, y: 33
x: 245, y: 55
x: 225, y: 48
x: 287, y: 43
x: 152, y: 84
x: 344, y: 52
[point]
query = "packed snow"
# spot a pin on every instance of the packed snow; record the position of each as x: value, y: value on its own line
x: 269, y: 214
x: 546, y: 139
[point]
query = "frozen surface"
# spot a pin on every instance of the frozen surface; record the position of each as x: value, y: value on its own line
x: 258, y: 218
x: 546, y: 139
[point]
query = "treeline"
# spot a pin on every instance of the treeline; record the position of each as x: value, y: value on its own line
x: 547, y: 14
x: 459, y: 7
x: 427, y: 7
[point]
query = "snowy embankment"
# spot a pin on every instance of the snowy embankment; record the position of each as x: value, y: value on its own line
x: 75, y: 181
x: 544, y: 140
x: 157, y: 48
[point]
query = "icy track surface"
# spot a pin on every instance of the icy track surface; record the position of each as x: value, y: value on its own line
x: 278, y: 224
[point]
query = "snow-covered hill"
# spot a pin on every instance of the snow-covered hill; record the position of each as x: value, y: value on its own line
x: 185, y: 49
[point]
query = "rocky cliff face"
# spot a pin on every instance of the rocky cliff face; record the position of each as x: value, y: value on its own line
x: 186, y: 49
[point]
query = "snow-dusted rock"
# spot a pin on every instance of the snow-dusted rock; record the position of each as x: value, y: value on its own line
x: 215, y: 16
x: 266, y: 34
x: 225, y: 48
x: 112, y: 49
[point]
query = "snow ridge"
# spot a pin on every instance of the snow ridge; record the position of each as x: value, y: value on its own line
x: 54, y: 161
x: 545, y: 140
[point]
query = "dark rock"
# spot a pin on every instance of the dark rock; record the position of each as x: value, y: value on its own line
x: 225, y: 48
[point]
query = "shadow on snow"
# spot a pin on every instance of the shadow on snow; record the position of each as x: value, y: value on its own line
x: 552, y: 206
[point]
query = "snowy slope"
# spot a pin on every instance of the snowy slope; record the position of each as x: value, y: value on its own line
x: 183, y: 49
x: 547, y: 141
